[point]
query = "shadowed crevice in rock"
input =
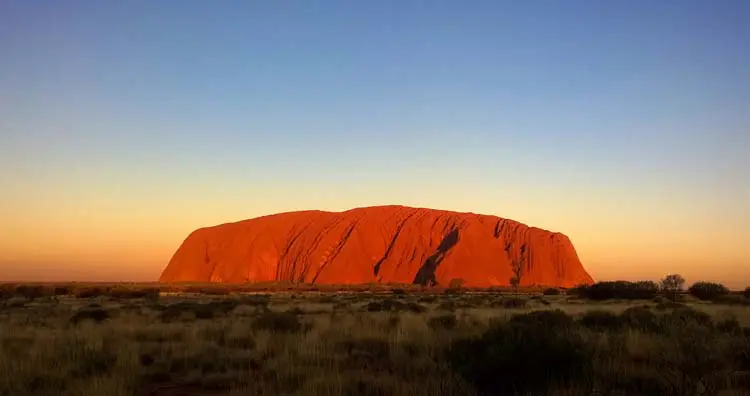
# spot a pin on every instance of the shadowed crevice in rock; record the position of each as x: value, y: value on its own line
x: 426, y: 274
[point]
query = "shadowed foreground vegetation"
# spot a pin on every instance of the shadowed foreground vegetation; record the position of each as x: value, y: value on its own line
x: 607, y: 339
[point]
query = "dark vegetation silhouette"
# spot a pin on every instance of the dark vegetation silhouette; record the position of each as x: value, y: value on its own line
x: 642, y: 290
x: 402, y: 339
x: 708, y: 291
x: 672, y: 285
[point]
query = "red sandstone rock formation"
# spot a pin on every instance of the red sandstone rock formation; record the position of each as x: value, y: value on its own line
x: 387, y: 244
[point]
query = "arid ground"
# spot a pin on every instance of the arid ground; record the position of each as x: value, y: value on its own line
x: 118, y: 340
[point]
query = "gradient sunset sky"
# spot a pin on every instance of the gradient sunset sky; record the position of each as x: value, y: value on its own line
x: 623, y: 124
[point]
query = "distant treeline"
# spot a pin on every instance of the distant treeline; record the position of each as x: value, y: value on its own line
x: 670, y: 287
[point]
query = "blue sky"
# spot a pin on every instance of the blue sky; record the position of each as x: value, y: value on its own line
x: 608, y: 121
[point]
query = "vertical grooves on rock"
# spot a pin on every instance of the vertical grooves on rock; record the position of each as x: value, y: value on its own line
x: 421, y: 214
x: 285, y: 253
x: 335, y: 251
x: 376, y: 268
x: 499, y: 226
x: 307, y: 263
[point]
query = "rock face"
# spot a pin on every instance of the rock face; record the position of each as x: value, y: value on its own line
x: 386, y: 244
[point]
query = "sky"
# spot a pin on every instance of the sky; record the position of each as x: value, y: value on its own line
x: 622, y: 124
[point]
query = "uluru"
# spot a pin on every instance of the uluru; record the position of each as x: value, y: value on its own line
x: 383, y: 244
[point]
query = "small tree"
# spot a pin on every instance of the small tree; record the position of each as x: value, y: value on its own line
x: 516, y: 267
x: 673, y: 284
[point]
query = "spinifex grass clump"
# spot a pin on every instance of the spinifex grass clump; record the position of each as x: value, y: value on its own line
x: 531, y: 353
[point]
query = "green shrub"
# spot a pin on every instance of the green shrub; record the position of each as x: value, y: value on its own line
x: 667, y: 303
x: 386, y: 304
x: 529, y: 354
x: 279, y: 322
x: 552, y: 291
x: 367, y: 353
x: 96, y: 315
x: 63, y: 290
x: 682, y: 316
x: 262, y: 300
x: 209, y: 290
x: 447, y: 306
x: 708, y: 290
x: 732, y: 299
x: 132, y: 293
x: 33, y: 291
x: 729, y: 325
x: 641, y: 318
x: 547, y: 318
x: 415, y: 307
x: 601, y: 320
x: 89, y: 292
x: 445, y: 321
x: 200, y: 311
x: 642, y: 290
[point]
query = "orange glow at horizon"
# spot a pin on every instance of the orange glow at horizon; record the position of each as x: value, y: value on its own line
x: 131, y: 245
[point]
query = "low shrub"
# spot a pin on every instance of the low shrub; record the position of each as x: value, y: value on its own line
x: 642, y: 290
x: 63, y: 290
x: 552, y: 291
x: 663, y: 303
x: 444, y: 321
x: 641, y: 318
x: 533, y: 353
x: 375, y: 306
x: 447, y: 306
x: 89, y: 292
x: 96, y: 315
x: 386, y: 304
x: 279, y: 322
x: 427, y: 299
x: 209, y: 290
x: 601, y: 320
x: 708, y: 291
x: 548, y: 318
x: 732, y: 299
x: 262, y: 300
x: 125, y: 293
x: 729, y: 325
x: 366, y: 353
x: 683, y: 316
x: 33, y: 291
x: 415, y: 307
x: 200, y: 311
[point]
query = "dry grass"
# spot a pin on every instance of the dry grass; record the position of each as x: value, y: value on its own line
x: 364, y: 343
